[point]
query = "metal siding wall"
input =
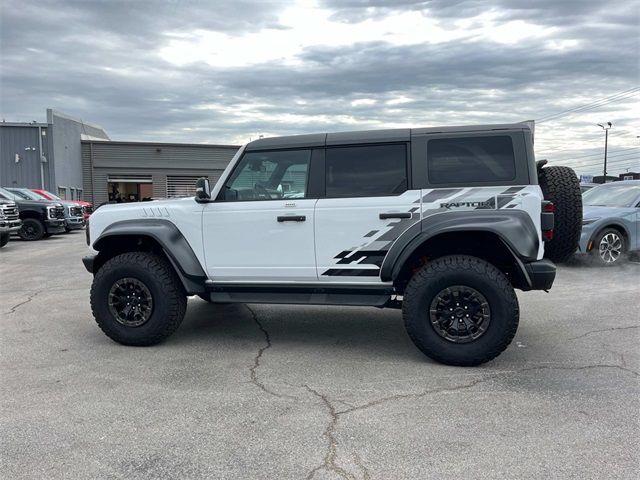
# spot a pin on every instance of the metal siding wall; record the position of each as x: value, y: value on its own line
x: 100, y: 190
x: 179, y: 157
x: 25, y: 173
x: 123, y: 158
x: 87, y: 181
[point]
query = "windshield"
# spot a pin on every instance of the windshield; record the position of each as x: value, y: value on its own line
x: 611, y: 196
x: 27, y: 194
x: 55, y: 197
x: 6, y: 194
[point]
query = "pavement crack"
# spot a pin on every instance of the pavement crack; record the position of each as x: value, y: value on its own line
x: 593, y: 332
x: 358, y: 461
x: 253, y: 371
x: 402, y: 396
x: 478, y: 381
x: 330, y: 463
x: 18, y: 305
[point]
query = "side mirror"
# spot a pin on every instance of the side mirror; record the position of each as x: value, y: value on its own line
x: 203, y: 191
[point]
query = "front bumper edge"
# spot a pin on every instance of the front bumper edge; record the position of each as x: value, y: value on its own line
x: 88, y: 261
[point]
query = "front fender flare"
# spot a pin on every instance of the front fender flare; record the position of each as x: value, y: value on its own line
x: 514, y: 227
x: 173, y: 243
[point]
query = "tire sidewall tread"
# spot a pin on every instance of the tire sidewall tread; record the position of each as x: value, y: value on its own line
x: 35, y: 221
x: 169, y: 299
x: 561, y: 186
x: 462, y: 270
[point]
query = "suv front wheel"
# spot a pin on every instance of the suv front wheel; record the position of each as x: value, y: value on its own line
x: 460, y: 310
x: 137, y: 299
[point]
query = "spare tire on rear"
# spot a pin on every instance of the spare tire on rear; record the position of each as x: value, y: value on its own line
x: 561, y: 186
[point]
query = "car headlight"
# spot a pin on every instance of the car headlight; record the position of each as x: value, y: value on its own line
x: 51, y: 212
x: 589, y: 221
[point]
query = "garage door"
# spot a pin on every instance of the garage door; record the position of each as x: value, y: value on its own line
x: 182, y: 185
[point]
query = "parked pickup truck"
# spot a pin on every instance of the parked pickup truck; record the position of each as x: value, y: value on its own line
x: 87, y: 207
x: 73, y: 212
x: 444, y: 223
x: 9, y: 220
x: 39, y: 218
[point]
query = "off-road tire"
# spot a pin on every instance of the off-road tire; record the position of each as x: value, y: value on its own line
x: 169, y: 298
x: 467, y: 271
x: 561, y: 186
x: 4, y: 239
x: 594, y: 254
x: 32, y: 229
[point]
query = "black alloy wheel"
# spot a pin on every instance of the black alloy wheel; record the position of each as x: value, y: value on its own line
x: 460, y: 314
x: 130, y: 302
x: 32, y: 229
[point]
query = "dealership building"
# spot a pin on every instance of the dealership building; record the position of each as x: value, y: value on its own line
x: 77, y: 160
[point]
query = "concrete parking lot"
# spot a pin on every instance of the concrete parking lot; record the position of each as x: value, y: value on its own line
x: 272, y: 392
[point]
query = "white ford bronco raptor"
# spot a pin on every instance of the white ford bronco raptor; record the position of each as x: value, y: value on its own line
x: 443, y: 223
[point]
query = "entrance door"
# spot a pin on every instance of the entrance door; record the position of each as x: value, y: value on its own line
x: 261, y: 227
x: 129, y: 188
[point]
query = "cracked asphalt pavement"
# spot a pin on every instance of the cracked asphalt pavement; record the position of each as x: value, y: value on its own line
x: 266, y: 392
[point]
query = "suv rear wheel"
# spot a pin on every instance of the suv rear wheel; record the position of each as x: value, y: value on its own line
x: 137, y: 299
x: 460, y: 310
x: 561, y: 186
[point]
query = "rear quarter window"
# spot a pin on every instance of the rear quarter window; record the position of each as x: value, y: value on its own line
x: 471, y: 160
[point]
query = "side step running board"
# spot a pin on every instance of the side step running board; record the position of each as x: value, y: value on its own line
x: 374, y: 296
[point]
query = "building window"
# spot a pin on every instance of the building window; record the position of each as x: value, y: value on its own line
x: 79, y: 194
x: 73, y: 194
x: 62, y: 192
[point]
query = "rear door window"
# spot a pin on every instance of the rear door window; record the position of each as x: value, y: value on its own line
x: 477, y: 159
x: 366, y: 171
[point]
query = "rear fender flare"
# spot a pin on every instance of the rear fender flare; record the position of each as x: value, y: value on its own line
x: 514, y: 228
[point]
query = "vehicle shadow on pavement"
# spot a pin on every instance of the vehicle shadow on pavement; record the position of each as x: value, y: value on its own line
x: 334, y: 330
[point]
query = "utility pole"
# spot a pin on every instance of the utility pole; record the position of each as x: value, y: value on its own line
x: 606, y: 128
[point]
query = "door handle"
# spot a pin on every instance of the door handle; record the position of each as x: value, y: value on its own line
x: 292, y: 218
x: 384, y: 216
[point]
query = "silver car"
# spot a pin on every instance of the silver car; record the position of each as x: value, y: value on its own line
x: 611, y: 221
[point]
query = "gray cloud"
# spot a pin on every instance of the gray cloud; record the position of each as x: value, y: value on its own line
x: 99, y: 61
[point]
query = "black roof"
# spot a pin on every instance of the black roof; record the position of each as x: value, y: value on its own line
x: 372, y: 136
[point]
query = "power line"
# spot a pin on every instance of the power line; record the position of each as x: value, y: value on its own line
x: 589, y: 106
x: 620, y: 156
x: 610, y: 153
x: 628, y: 161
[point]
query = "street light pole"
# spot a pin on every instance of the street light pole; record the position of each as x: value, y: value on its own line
x: 606, y: 128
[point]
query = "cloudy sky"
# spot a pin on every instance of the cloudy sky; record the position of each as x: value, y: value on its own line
x: 225, y: 71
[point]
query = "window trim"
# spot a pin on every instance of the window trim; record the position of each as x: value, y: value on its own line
x: 407, y: 167
x: 220, y: 197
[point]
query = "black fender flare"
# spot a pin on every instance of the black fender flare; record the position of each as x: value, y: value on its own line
x: 513, y: 227
x: 173, y: 243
